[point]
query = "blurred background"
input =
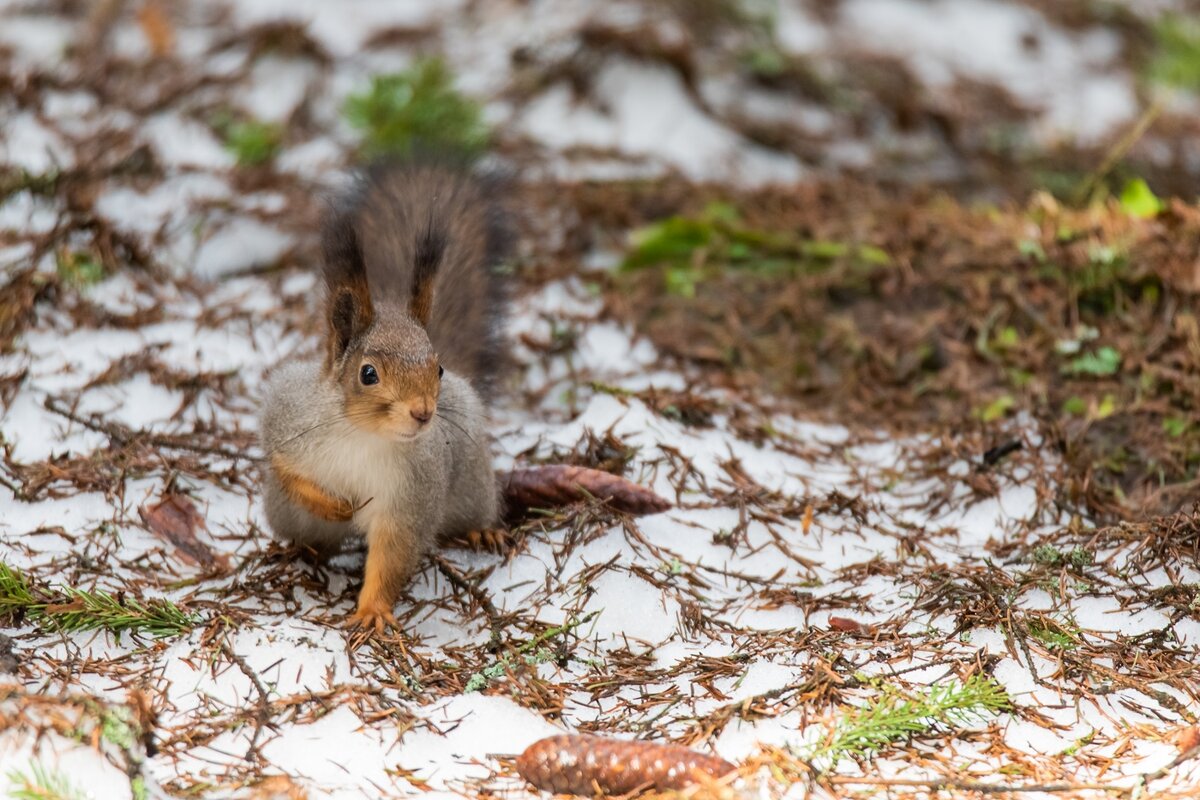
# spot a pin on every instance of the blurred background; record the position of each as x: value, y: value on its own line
x: 992, y: 98
x: 916, y: 212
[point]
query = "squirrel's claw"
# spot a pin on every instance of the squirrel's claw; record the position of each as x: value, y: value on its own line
x: 373, y: 620
x: 490, y: 540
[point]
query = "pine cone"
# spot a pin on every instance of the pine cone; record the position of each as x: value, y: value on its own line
x: 586, y: 765
x: 559, y: 484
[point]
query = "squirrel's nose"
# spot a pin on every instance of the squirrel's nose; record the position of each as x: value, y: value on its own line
x: 422, y: 416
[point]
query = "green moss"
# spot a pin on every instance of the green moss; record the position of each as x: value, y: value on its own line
x: 1050, y: 556
x: 1176, y: 60
x: 253, y: 142
x: 1175, y: 427
x: 1053, y: 638
x: 119, y: 728
x: 418, y: 106
x: 1104, y: 361
x: 687, y: 247
x: 999, y: 408
x: 79, y: 268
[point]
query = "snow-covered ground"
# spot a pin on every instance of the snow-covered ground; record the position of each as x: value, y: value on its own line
x: 802, y: 562
x: 685, y: 615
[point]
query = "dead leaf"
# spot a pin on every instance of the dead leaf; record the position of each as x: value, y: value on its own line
x: 807, y: 522
x: 847, y: 625
x: 278, y: 787
x: 1188, y: 739
x: 175, y: 519
x: 559, y: 484
x: 65, y: 608
x: 844, y: 624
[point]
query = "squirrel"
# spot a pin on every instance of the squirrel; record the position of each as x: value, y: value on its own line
x: 386, y: 436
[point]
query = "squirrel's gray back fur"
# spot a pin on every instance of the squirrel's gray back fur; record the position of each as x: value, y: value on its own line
x: 397, y: 209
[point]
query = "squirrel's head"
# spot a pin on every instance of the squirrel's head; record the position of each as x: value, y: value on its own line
x: 381, y: 356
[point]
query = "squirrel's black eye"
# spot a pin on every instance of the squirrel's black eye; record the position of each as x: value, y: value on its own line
x: 441, y: 371
x: 368, y: 375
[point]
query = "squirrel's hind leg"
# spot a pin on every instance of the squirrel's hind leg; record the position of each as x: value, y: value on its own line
x: 393, y: 552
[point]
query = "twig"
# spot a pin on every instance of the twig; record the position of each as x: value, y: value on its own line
x: 18, y: 492
x: 1118, y: 151
x: 1186, y: 755
x: 976, y: 786
x: 263, y: 716
x: 122, y: 434
x: 457, y: 580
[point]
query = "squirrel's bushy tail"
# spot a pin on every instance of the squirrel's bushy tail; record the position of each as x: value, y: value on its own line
x: 412, y: 217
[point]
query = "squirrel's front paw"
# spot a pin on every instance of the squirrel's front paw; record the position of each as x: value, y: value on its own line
x: 373, y: 618
x: 339, y: 510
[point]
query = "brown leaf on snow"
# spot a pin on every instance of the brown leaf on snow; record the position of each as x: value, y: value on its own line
x: 559, y: 484
x: 1188, y: 739
x: 278, y: 787
x: 66, y: 608
x: 847, y: 625
x: 175, y: 519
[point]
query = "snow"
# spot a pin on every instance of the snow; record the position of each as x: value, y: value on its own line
x: 366, y: 720
x: 460, y: 736
x: 31, y: 146
x: 38, y: 41
x: 182, y: 142
x: 24, y: 211
x: 344, y: 27
x: 22, y: 752
x: 797, y: 31
x: 360, y: 757
x: 276, y: 88
x: 1064, y: 74
x: 313, y: 159
x: 239, y: 246
x: 629, y: 609
x: 648, y: 113
x: 167, y: 204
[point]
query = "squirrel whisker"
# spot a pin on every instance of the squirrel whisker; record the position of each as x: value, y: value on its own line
x: 457, y: 425
x: 343, y: 417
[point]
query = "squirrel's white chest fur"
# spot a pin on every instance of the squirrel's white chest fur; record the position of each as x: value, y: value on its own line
x: 371, y: 472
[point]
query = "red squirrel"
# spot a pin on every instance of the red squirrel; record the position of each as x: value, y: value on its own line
x: 387, y: 435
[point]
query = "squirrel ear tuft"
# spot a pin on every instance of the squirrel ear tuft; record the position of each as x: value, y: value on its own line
x: 430, y: 248
x: 349, y: 317
x: 350, y: 310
